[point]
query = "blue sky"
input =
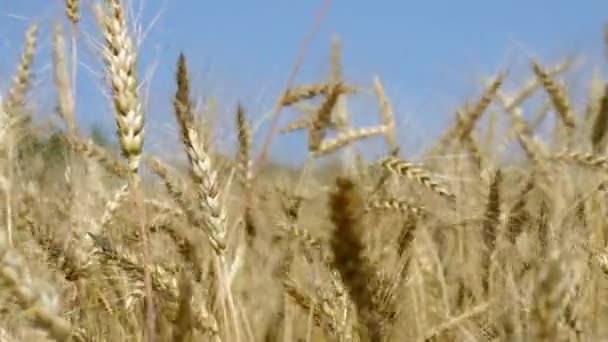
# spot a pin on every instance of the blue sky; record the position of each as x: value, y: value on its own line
x: 431, y: 55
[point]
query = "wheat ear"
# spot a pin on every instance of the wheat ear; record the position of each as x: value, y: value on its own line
x: 480, y: 107
x: 323, y: 117
x: 121, y: 58
x: 62, y: 81
x: 406, y: 169
x: 558, y: 96
x: 386, y: 114
x: 72, y: 11
x: 121, y: 64
x: 201, y: 169
x: 346, y: 138
x: 15, y: 99
x: 244, y: 164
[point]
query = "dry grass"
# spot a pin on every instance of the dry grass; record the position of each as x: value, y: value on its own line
x: 502, y: 249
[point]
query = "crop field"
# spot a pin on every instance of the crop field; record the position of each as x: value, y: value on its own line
x: 497, y: 232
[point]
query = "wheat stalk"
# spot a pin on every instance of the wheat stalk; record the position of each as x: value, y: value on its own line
x: 121, y: 66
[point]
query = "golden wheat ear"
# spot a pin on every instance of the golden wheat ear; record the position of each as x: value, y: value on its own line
x: 72, y: 11
x: 402, y: 168
x: 62, y: 81
x: 202, y: 170
x: 386, y: 115
x: 473, y: 116
x: 121, y: 63
x: 559, y: 98
x: 15, y: 100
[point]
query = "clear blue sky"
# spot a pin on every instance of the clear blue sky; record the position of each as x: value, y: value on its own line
x: 430, y: 54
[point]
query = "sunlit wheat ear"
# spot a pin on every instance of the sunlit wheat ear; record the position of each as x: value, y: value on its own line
x: 583, y: 159
x: 62, y: 80
x: 121, y: 63
x: 15, y: 99
x: 340, y: 115
x: 386, y: 114
x: 120, y: 60
x: 201, y: 169
x: 306, y: 92
x: 558, y: 96
x: 309, y: 111
x: 480, y: 107
x: 394, y: 204
x: 346, y: 138
x: 323, y: 117
x: 414, y: 172
x: 530, y: 86
x: 72, y: 10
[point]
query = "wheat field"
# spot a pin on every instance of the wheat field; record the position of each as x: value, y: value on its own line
x: 99, y: 243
